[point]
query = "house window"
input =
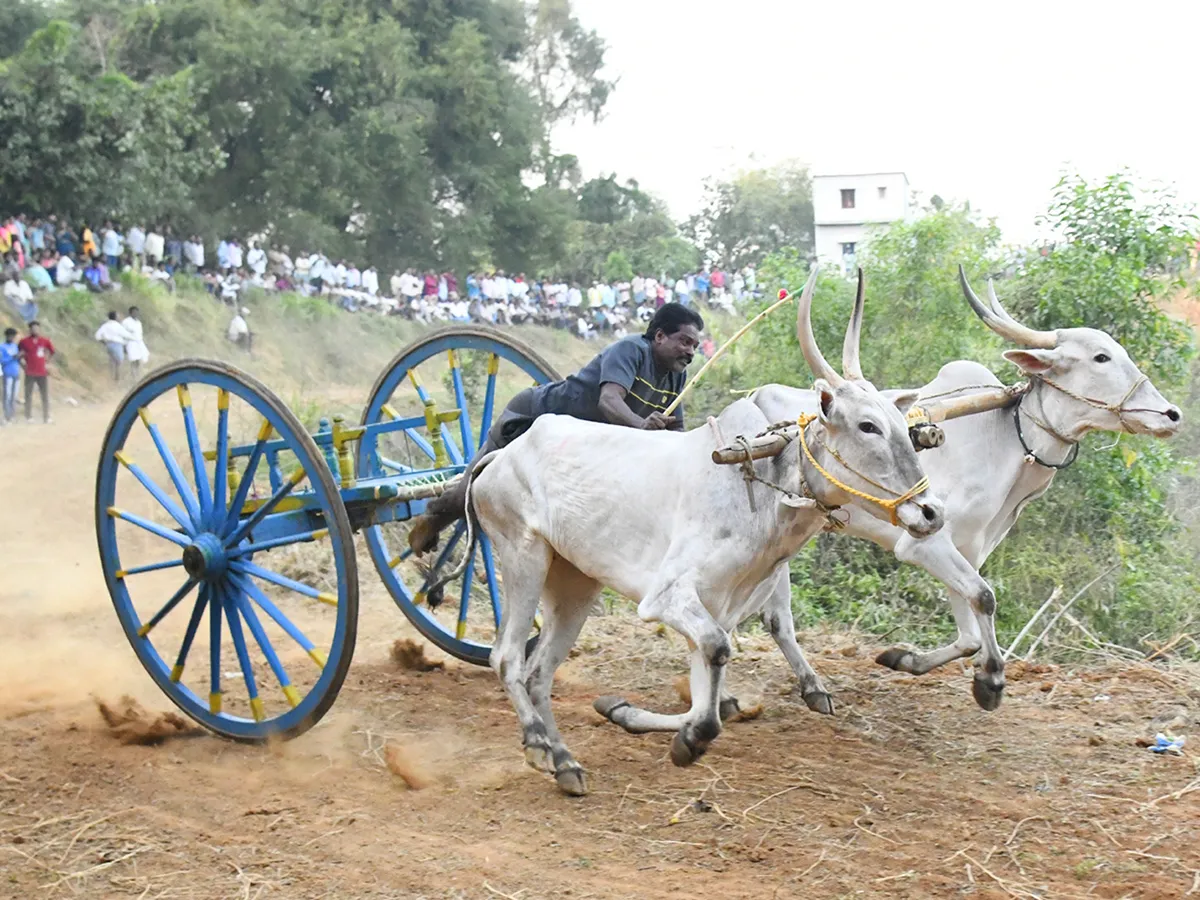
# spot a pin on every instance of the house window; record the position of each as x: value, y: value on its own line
x: 847, y: 198
x: 848, y: 249
x: 883, y: 193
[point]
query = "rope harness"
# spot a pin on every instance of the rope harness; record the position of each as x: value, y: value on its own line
x: 1119, y: 409
x: 891, y: 506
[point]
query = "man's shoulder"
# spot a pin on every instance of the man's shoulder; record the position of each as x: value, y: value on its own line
x: 631, y: 347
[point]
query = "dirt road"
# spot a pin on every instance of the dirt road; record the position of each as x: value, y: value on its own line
x: 910, y: 791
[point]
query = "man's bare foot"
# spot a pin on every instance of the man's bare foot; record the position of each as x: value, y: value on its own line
x: 423, y: 535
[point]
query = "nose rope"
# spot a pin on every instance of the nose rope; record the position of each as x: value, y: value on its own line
x: 891, y: 506
x: 1119, y: 407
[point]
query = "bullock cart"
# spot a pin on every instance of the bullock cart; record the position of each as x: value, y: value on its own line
x: 226, y: 526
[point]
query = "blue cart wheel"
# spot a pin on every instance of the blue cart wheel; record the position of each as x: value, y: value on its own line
x: 475, y: 370
x: 215, y: 508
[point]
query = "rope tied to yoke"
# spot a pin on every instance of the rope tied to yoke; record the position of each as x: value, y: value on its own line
x: 890, y: 506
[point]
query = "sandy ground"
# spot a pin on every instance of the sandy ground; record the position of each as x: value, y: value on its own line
x: 910, y: 791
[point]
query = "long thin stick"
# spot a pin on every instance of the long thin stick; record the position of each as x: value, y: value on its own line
x: 1054, y: 595
x: 1066, y: 606
x: 729, y: 343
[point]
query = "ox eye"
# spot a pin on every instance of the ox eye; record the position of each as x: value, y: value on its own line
x: 869, y: 428
x: 1101, y: 358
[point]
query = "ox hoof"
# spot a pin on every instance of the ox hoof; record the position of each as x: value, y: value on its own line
x: 729, y: 708
x: 987, y: 691
x: 684, y: 754
x: 819, y: 702
x: 539, y: 756
x: 572, y: 780
x: 897, y: 658
x: 610, y: 706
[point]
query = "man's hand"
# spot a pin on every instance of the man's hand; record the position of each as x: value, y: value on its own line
x: 656, y: 421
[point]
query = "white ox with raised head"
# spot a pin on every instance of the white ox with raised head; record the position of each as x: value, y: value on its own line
x: 993, y: 464
x: 572, y: 506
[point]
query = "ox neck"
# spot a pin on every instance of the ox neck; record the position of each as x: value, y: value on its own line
x: 1042, y: 440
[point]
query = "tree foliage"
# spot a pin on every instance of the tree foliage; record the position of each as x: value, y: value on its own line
x: 387, y: 128
x: 755, y: 214
x: 1118, y: 506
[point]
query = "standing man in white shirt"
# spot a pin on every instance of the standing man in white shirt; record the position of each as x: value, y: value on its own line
x: 113, y: 245
x: 256, y: 259
x: 370, y: 281
x: 137, y: 246
x: 235, y: 254
x: 136, y: 350
x: 154, y: 245
x: 114, y: 338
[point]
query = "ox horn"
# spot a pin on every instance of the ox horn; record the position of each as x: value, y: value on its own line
x: 851, y: 368
x: 998, y: 319
x: 804, y: 333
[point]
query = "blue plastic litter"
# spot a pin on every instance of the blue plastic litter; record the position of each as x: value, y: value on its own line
x: 1164, y: 743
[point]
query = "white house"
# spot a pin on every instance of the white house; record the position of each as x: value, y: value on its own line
x: 846, y: 207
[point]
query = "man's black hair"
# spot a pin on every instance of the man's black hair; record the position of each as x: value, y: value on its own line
x: 112, y: 314
x: 35, y: 322
x: 670, y: 317
x: 10, y: 332
x: 133, y: 309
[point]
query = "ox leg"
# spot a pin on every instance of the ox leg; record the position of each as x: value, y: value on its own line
x: 690, y: 618
x: 526, y: 564
x: 973, y: 604
x: 679, y: 607
x: 566, y: 603
x: 777, y: 618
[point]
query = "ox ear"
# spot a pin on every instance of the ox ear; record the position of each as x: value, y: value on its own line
x: 1035, y: 362
x: 905, y: 400
x: 824, y: 399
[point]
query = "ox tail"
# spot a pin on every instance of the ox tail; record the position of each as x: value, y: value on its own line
x: 473, y: 528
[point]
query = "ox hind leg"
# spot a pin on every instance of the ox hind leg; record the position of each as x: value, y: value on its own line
x: 678, y: 605
x: 973, y: 604
x: 567, y: 601
x: 526, y: 564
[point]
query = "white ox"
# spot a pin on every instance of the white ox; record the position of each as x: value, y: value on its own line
x: 572, y: 506
x: 993, y: 464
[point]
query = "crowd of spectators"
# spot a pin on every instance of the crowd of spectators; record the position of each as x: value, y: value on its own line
x: 41, y: 255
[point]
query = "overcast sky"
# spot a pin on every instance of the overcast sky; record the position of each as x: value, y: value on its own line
x: 986, y: 102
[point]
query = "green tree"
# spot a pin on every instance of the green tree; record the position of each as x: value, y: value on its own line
x: 95, y: 146
x: 755, y: 214
x: 396, y: 131
x: 1120, y: 504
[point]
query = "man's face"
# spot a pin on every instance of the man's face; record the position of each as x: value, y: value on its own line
x: 34, y: 330
x: 674, y: 352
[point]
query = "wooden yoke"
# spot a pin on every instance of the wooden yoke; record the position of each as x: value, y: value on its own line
x: 997, y: 397
x: 772, y: 441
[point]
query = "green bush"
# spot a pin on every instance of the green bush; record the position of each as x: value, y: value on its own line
x: 1116, y: 515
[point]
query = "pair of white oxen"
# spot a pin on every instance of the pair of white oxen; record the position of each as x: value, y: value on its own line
x: 573, y: 506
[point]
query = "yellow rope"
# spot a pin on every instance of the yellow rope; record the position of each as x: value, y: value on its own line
x: 890, y: 505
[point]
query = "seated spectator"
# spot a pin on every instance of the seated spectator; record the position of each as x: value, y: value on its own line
x: 37, y: 276
x: 238, y: 331
x: 92, y: 276
x: 65, y: 271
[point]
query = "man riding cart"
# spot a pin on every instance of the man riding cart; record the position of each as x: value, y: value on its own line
x: 630, y: 382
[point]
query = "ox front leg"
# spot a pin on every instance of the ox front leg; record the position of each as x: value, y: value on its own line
x: 777, y: 619
x: 679, y: 607
x: 973, y: 604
